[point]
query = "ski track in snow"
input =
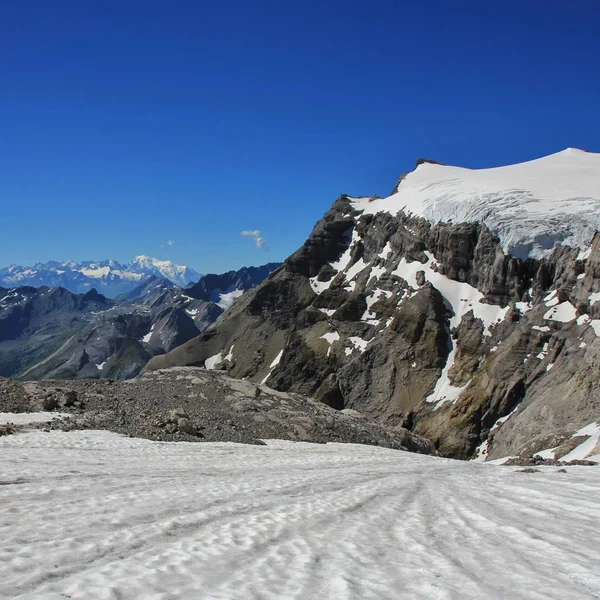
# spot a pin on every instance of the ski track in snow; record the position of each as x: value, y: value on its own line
x: 95, y: 515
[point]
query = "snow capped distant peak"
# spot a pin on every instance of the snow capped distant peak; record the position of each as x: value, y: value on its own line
x: 143, y: 259
x: 531, y: 206
x: 178, y: 274
x: 109, y: 276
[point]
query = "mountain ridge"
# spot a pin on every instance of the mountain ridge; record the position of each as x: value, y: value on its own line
x: 48, y: 332
x: 427, y: 324
x: 109, y: 276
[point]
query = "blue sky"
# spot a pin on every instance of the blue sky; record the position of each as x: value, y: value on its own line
x: 127, y: 124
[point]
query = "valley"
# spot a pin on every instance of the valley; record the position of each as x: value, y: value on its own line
x: 55, y: 333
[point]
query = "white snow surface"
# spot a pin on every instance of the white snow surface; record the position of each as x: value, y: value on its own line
x: 586, y: 450
x: 444, y: 391
x: 226, y: 299
x: 212, y: 361
x: 181, y: 275
x: 330, y: 337
x: 564, y: 312
x: 531, y: 206
x: 341, y: 266
x: 358, y: 343
x: 272, y: 366
x: 90, y: 514
x: 103, y: 274
x: 146, y: 338
x: 462, y: 298
x: 28, y: 418
x: 593, y: 323
x: 595, y: 297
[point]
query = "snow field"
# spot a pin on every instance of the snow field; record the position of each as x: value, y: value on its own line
x: 589, y: 449
x: 95, y: 515
x: 532, y: 206
x: 29, y: 418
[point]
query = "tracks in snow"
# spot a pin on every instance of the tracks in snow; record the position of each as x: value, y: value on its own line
x: 107, y: 517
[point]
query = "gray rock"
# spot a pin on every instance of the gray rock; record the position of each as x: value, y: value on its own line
x: 217, y: 408
x: 178, y: 413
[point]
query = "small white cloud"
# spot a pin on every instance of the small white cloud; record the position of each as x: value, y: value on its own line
x: 255, y: 235
x: 168, y: 244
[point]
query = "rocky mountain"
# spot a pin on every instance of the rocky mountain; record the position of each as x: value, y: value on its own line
x: 224, y: 289
x: 53, y: 333
x: 178, y: 274
x: 465, y: 306
x: 35, y: 322
x: 108, y: 276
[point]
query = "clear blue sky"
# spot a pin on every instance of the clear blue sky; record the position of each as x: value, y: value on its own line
x: 125, y: 124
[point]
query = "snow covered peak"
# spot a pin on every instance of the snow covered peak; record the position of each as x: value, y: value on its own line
x: 531, y: 206
x: 109, y: 276
x: 178, y: 274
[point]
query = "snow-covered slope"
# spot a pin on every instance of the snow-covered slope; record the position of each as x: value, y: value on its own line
x: 178, y: 274
x: 108, y: 276
x: 95, y: 515
x: 532, y: 206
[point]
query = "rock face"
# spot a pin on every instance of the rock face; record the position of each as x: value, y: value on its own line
x: 430, y: 325
x: 223, y: 289
x: 191, y: 404
x: 53, y: 333
x: 36, y: 322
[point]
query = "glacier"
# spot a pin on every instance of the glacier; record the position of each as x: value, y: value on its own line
x: 532, y: 206
x: 91, y: 514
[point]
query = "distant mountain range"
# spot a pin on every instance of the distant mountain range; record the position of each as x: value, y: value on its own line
x: 109, y: 277
x: 51, y: 332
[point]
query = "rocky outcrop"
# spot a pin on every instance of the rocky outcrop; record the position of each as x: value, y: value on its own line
x: 422, y: 324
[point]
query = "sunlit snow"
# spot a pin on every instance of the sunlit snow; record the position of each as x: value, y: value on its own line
x: 227, y: 299
x: 532, y: 206
x: 212, y: 361
x: 146, y: 338
x: 92, y: 515
x: 462, y: 298
x: 564, y: 312
x: 588, y: 449
x: 272, y: 366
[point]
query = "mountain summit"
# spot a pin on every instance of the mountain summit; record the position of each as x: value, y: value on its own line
x: 465, y: 306
x: 178, y: 274
x: 110, y: 277
x: 532, y: 206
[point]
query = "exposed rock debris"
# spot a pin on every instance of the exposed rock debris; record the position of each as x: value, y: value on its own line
x: 191, y: 404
